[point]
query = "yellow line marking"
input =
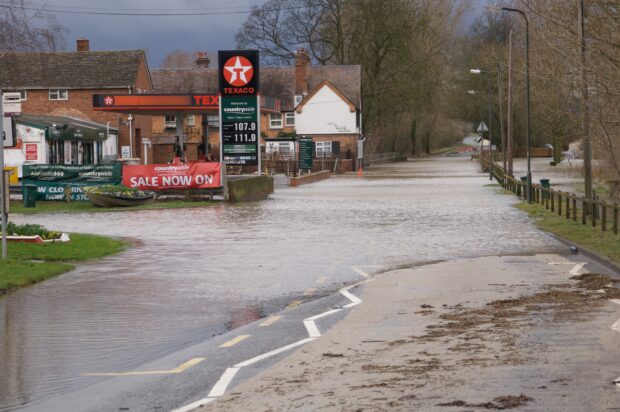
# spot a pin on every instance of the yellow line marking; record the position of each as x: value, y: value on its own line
x: 270, y: 321
x: 310, y: 292
x: 321, y: 280
x: 178, y: 369
x: 234, y: 341
x: 294, y: 304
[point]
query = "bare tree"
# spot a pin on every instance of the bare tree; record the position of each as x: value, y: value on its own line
x: 24, y: 28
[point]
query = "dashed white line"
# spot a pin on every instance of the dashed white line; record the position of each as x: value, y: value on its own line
x: 354, y: 299
x: 313, y: 331
x: 194, y: 405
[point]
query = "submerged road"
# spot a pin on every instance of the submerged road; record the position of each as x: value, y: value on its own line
x: 202, y: 273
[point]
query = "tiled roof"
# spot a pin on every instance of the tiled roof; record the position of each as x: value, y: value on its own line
x: 70, y: 70
x: 278, y: 82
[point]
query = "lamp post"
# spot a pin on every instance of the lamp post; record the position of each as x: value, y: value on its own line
x: 527, y: 90
x: 478, y: 71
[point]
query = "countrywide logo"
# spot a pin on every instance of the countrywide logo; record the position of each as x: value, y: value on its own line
x: 238, y: 71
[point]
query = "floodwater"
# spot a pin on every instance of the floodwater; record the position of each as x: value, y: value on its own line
x: 201, y: 272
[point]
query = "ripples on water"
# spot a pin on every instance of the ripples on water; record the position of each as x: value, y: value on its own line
x: 201, y: 272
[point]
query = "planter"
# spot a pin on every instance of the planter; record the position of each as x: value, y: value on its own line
x: 103, y: 200
x: 64, y: 237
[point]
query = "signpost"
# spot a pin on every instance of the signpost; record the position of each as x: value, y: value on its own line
x: 11, y: 105
x: 305, y: 153
x: 239, y: 108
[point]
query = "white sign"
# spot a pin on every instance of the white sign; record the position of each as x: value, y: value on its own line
x: 7, y: 132
x: 482, y: 127
x: 125, y: 153
x: 11, y: 104
x: 360, y: 149
x: 146, y: 141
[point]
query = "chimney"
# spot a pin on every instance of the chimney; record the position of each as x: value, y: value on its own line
x: 302, y: 59
x: 202, y: 60
x: 83, y: 45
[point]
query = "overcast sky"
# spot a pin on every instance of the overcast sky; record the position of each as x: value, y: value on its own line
x: 157, y: 35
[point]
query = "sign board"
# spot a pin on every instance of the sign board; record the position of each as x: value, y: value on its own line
x: 146, y: 141
x: 32, y: 151
x: 125, y: 152
x: 51, y: 180
x: 155, y: 103
x: 8, y: 132
x: 239, y: 109
x: 12, y: 104
x: 173, y: 176
x: 360, y: 149
x: 306, y: 149
x: 482, y: 127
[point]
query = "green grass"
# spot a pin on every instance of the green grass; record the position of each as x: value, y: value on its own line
x: 82, y: 207
x: 29, y: 263
x: 603, y: 243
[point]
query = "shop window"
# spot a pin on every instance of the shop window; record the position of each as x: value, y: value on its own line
x: 275, y: 121
x: 323, y: 149
x: 58, y: 94
x: 170, y: 122
x: 190, y: 120
x: 213, y: 121
x: 289, y: 119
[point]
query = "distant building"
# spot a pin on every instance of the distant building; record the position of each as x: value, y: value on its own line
x: 61, y: 85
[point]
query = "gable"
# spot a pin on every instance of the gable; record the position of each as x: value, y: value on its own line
x: 325, y: 92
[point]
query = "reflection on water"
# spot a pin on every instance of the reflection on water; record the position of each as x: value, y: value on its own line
x: 203, y: 271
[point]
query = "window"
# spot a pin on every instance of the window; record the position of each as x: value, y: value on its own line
x: 275, y: 121
x: 323, y: 149
x: 190, y: 120
x: 23, y: 95
x: 289, y: 119
x: 213, y: 121
x: 170, y: 122
x: 58, y: 94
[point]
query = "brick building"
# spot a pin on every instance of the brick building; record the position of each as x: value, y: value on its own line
x: 62, y: 84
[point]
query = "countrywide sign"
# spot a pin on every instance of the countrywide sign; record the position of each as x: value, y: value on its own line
x: 173, y: 176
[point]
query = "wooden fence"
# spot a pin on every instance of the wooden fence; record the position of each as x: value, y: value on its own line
x: 569, y: 205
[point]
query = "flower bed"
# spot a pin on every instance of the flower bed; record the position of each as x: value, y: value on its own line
x: 33, y: 234
x: 117, y: 195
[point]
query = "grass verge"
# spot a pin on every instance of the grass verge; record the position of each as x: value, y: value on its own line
x: 29, y: 263
x: 81, y: 207
x: 604, y: 243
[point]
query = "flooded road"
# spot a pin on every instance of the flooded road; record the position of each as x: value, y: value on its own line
x: 201, y: 272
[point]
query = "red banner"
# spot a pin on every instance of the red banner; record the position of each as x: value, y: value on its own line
x: 173, y: 176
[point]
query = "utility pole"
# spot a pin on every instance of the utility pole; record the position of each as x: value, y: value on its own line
x: 3, y: 188
x: 584, y: 109
x: 509, y: 132
x: 501, y: 116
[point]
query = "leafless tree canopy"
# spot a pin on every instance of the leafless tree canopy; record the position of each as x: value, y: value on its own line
x: 27, y: 30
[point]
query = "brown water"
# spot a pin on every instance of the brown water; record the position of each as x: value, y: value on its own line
x: 201, y: 272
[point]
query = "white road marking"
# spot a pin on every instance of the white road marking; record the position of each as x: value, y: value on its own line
x: 220, y: 387
x: 360, y: 272
x: 575, y: 270
x: 313, y: 331
x: 273, y: 353
x: 194, y: 405
x: 354, y: 299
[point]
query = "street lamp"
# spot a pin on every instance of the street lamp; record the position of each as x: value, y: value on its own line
x: 478, y: 71
x: 498, y: 8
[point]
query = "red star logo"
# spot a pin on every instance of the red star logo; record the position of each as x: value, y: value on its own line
x: 108, y: 100
x: 238, y: 71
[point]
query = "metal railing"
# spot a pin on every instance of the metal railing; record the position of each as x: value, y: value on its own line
x: 565, y: 204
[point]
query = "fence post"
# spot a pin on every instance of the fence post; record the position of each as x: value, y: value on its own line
x: 567, y: 206
x: 583, y: 210
x: 559, y: 203
x: 615, y: 218
x: 552, y: 195
x: 603, y: 217
x: 594, y: 209
x: 575, y: 208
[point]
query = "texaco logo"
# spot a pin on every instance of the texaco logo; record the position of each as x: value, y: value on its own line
x: 108, y: 100
x: 238, y: 71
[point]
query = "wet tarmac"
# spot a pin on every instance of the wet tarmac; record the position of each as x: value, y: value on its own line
x: 201, y: 272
